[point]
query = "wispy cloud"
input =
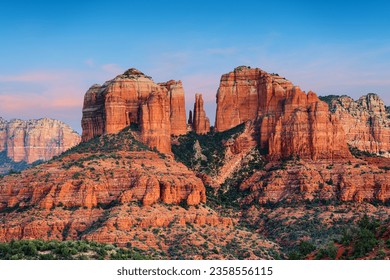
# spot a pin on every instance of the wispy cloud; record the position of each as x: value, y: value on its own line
x: 34, y: 76
x: 112, y: 68
x: 90, y: 62
x: 35, y: 94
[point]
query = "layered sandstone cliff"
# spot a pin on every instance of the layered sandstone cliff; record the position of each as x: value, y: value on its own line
x: 177, y: 112
x: 321, y: 180
x: 365, y: 121
x: 113, y: 170
x: 290, y: 122
x: 200, y: 122
x: 34, y: 140
x: 155, y: 122
x: 121, y: 102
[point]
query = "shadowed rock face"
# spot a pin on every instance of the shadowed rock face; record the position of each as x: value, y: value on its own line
x: 290, y: 122
x: 365, y: 122
x: 34, y: 140
x: 119, y: 102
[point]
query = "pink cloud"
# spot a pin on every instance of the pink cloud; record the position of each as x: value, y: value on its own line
x: 34, y: 76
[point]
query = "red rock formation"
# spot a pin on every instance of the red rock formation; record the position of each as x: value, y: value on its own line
x: 93, y: 113
x: 238, y: 97
x: 117, y: 104
x: 290, y: 121
x: 303, y: 180
x: 92, y: 178
x: 126, y: 177
x: 306, y: 129
x: 365, y: 121
x: 155, y: 122
x: 200, y: 123
x: 34, y: 140
x: 176, y: 99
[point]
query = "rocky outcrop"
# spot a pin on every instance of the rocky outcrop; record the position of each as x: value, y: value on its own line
x: 177, y: 112
x: 365, y: 121
x: 33, y: 140
x: 106, y: 170
x: 200, y: 122
x: 322, y: 180
x: 290, y: 122
x: 155, y: 122
x: 118, y: 103
x: 113, y: 170
x: 149, y: 180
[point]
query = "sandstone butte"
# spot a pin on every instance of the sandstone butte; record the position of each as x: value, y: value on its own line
x: 290, y: 122
x: 103, y: 178
x: 200, y: 122
x: 34, y: 140
x: 365, y: 121
x: 286, y: 123
x: 113, y: 170
x: 133, y: 98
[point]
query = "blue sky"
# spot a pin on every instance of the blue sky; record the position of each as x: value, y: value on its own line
x: 52, y: 51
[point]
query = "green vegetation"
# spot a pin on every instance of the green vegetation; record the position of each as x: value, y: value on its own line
x: 329, y: 99
x: 358, y: 237
x: 66, y: 250
x: 229, y: 194
x: 327, y: 252
x: 363, y: 237
x: 211, y: 148
x: 359, y: 153
x: 109, y: 143
x: 303, y: 249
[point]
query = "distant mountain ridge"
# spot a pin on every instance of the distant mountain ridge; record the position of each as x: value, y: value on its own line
x: 366, y: 121
x: 23, y: 142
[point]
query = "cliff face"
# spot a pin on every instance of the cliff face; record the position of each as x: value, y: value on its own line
x: 290, y: 122
x: 109, y: 172
x: 365, y: 121
x: 177, y: 112
x: 156, y: 123
x: 119, y: 102
x: 200, y: 122
x: 308, y: 180
x: 34, y: 140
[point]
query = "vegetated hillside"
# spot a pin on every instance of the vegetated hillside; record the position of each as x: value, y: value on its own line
x: 329, y: 99
x: 67, y: 250
x: 204, y: 153
x: 113, y: 189
x: 306, y: 223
